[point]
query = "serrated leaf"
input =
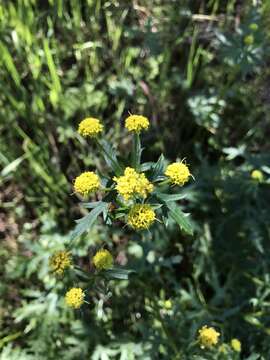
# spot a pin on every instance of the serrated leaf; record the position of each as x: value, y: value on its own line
x: 181, y: 218
x: 84, y: 224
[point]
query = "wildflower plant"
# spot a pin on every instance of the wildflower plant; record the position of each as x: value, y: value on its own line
x: 136, y: 194
x: 135, y: 189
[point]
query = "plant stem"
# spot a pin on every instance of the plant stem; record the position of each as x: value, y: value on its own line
x: 136, y: 152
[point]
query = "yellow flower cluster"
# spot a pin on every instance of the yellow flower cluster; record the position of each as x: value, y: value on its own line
x: 132, y: 184
x: 60, y: 261
x: 103, y: 259
x: 90, y: 127
x: 141, y: 216
x: 74, y: 297
x: 136, y: 123
x: 86, y: 183
x: 178, y: 173
x: 236, y: 345
x: 208, y: 337
x: 257, y: 175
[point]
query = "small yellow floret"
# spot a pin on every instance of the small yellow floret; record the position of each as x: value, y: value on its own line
x: 74, y: 297
x: 136, y: 123
x: 141, y: 216
x: 103, y: 259
x: 60, y: 261
x: 208, y: 337
x: 178, y: 173
x: 236, y: 345
x: 90, y: 127
x: 132, y: 184
x: 86, y: 183
x: 257, y: 175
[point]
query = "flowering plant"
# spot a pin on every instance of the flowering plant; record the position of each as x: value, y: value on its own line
x: 135, y: 193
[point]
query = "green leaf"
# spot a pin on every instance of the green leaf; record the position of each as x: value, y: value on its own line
x: 110, y: 157
x: 158, y: 170
x: 253, y: 357
x: 84, y: 224
x: 117, y: 273
x: 106, y: 217
x: 181, y: 218
x: 11, y: 167
x: 91, y: 205
x: 147, y: 166
x: 136, y: 152
x: 56, y: 84
x: 169, y: 197
x: 155, y: 206
x: 7, y: 59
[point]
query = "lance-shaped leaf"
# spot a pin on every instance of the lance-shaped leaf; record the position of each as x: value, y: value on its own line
x: 169, y: 197
x: 84, y: 224
x: 117, y: 273
x: 158, y: 170
x: 181, y: 218
x: 147, y: 166
x: 110, y: 157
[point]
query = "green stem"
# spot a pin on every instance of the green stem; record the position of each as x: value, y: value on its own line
x: 107, y: 189
x: 136, y: 152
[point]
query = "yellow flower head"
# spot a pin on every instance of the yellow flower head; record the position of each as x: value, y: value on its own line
x: 90, y: 127
x: 136, y: 123
x: 132, y: 183
x: 178, y: 173
x: 74, y: 297
x: 249, y: 39
x: 257, y: 175
x: 141, y: 216
x: 60, y: 261
x: 236, y: 345
x: 103, y: 259
x: 208, y: 337
x: 86, y: 183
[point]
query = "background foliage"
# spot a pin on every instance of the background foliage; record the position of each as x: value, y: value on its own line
x: 189, y: 67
